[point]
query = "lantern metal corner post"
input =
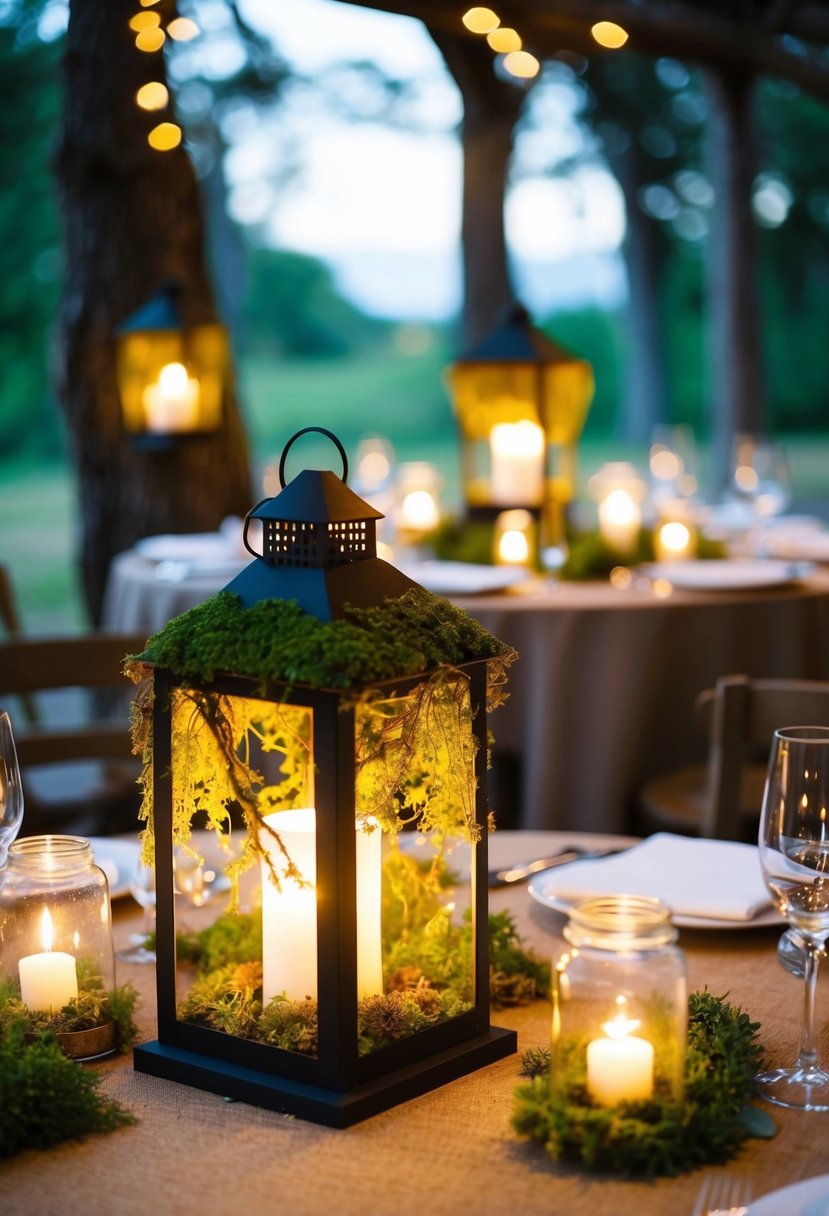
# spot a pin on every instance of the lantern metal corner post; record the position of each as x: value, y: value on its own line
x: 521, y: 402
x: 318, y: 549
x: 172, y: 371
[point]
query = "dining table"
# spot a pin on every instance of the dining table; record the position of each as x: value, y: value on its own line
x: 450, y: 1151
x: 602, y: 696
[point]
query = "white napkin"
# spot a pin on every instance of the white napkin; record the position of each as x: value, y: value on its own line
x: 711, y: 879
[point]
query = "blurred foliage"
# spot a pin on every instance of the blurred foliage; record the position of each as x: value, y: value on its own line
x: 291, y: 309
x: 29, y: 254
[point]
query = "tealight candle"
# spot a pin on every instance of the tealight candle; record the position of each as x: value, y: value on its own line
x: 514, y: 538
x: 48, y: 979
x: 620, y: 1066
x: 620, y: 518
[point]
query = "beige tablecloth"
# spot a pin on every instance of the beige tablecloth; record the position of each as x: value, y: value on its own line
x: 447, y: 1153
x: 602, y: 696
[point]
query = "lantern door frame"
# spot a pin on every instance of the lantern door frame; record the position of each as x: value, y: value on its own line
x: 337, y: 1087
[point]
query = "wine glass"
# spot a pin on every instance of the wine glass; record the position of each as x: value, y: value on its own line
x: 794, y: 856
x: 760, y: 476
x: 11, y: 792
x: 142, y: 889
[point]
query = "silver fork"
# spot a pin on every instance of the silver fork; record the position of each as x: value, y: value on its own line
x: 723, y: 1195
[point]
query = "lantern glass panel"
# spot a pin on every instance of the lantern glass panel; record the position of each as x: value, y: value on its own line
x: 415, y: 916
x: 171, y: 380
x: 414, y: 800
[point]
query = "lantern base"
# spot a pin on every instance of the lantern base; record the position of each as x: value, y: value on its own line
x: 311, y: 1102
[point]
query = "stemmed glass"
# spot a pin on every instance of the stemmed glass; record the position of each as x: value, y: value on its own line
x: 794, y: 856
x: 11, y: 792
x: 142, y: 889
x: 760, y: 476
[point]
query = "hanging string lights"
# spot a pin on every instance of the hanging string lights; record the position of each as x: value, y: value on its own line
x: 154, y: 97
x: 507, y: 42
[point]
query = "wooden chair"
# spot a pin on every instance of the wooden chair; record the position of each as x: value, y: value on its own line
x: 77, y: 768
x: 722, y: 798
x: 13, y: 625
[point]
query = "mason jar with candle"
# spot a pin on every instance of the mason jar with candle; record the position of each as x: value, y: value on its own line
x: 55, y: 925
x: 620, y: 1004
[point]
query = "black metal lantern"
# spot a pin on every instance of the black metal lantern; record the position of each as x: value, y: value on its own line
x: 521, y: 401
x: 366, y: 983
x: 171, y: 371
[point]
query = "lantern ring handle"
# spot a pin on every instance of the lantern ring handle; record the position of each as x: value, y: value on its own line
x: 320, y: 431
x: 248, y: 518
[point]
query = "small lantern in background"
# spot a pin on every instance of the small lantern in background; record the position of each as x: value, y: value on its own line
x: 332, y: 1006
x: 619, y: 490
x: 521, y: 402
x: 171, y: 373
x: 514, y: 539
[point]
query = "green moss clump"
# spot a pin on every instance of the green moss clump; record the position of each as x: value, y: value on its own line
x: 46, y: 1098
x: 92, y: 1007
x: 658, y: 1136
x: 274, y: 641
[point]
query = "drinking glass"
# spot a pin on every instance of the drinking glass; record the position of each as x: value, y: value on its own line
x: 11, y: 792
x: 142, y: 889
x: 794, y: 856
x: 760, y: 476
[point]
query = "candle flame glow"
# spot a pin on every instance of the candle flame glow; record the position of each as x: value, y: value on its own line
x: 46, y: 929
x: 621, y: 1026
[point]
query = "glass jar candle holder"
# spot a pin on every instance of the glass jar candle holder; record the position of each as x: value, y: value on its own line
x: 620, y: 1005
x: 56, y: 931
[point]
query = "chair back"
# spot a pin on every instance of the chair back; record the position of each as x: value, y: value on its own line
x: 739, y: 716
x: 91, y: 724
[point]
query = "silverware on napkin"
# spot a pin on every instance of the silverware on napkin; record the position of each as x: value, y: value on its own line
x: 517, y: 873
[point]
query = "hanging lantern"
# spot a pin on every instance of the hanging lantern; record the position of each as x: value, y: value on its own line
x: 171, y: 374
x: 521, y: 402
x: 360, y: 978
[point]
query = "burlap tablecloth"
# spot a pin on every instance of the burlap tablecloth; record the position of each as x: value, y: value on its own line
x: 449, y: 1152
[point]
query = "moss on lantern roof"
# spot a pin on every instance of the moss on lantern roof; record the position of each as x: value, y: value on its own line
x: 275, y: 641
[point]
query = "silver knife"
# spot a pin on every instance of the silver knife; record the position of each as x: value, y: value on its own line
x: 517, y: 873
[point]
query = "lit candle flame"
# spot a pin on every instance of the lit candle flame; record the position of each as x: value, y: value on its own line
x: 46, y: 930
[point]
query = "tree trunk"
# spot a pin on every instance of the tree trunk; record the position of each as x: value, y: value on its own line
x: 132, y: 219
x: 490, y: 111
x: 645, y: 255
x: 734, y: 318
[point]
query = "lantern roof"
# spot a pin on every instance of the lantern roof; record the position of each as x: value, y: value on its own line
x: 516, y: 340
x: 161, y: 311
x: 316, y: 496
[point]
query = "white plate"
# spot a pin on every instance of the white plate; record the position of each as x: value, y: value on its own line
x: 723, y: 575
x: 808, y: 1198
x: 186, y: 547
x: 464, y: 578
x: 539, y: 890
x: 118, y: 860
x: 800, y: 546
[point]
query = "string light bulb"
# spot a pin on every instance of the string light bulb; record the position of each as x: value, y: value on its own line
x: 182, y: 29
x: 164, y: 137
x: 144, y: 21
x: 609, y: 34
x: 522, y: 64
x: 150, y: 39
x: 152, y: 96
x: 503, y: 40
x: 481, y: 20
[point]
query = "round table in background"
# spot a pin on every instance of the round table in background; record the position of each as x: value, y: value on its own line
x: 602, y: 695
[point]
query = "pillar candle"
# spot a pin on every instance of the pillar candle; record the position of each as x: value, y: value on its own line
x: 517, y: 463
